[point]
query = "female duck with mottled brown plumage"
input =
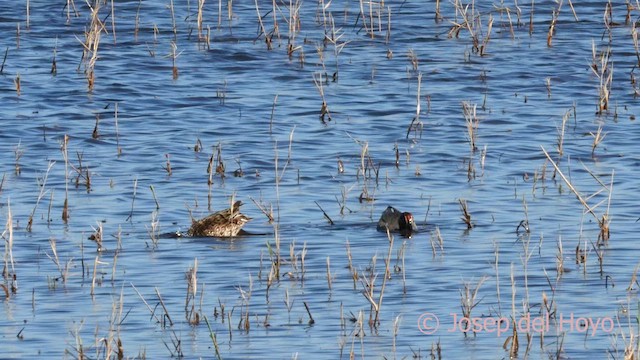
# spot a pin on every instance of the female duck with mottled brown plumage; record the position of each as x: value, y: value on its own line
x: 224, y: 223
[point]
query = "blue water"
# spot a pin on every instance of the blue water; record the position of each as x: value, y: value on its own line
x: 258, y: 105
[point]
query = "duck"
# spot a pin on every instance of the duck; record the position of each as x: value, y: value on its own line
x: 394, y: 220
x: 223, y: 223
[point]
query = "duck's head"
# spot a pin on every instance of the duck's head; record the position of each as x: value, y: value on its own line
x: 406, y: 224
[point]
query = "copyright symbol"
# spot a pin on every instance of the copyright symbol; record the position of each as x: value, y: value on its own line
x: 428, y: 323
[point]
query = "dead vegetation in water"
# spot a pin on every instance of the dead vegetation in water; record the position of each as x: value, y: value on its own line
x: 293, y: 268
x: 91, y: 43
x: 604, y: 219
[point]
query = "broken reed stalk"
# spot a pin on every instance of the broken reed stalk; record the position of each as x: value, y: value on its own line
x: 483, y: 48
x: 112, y: 342
x: 324, y: 110
x: 466, y: 217
x: 603, y: 222
x: 437, y: 243
x: 294, y: 26
x: 71, y: 5
x: 166, y: 312
x: 40, y: 195
x: 603, y: 70
x: 415, y: 125
x: 91, y: 43
x: 288, y: 153
x: 338, y: 46
x: 468, y: 302
x: 213, y: 337
x: 16, y: 82
x: 7, y: 234
x: 199, y: 19
x: 561, y: 132
x: 275, y: 263
x: 64, y: 147
x: 174, y: 56
x: 154, y: 229
x: 18, y: 152
x: 634, y: 37
x: 267, y: 38
x: 306, y: 306
x: 387, y: 275
x: 133, y: 199
x: 151, y: 310
x: 552, y: 26
x: 155, y: 198
x: 28, y: 22
x: 4, y: 60
x: 192, y: 316
x: 273, y: 110
x: 244, y: 323
x: 597, y: 139
x: 326, y: 216
x: 174, y: 27
x: 352, y: 269
x: 512, y: 344
x: 95, y: 272
x: 113, y: 21
x: 472, y: 121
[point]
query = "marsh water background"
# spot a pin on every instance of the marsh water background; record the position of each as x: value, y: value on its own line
x: 224, y: 96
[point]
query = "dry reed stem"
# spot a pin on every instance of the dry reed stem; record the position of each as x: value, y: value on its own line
x: 192, y: 316
x: 485, y: 41
x: 273, y: 110
x: 199, y: 19
x: 42, y: 186
x: 155, y: 198
x: 436, y: 241
x: 153, y: 230
x: 174, y: 57
x: 415, y: 125
x: 4, y: 60
x: 324, y: 109
x: 352, y: 269
x: 151, y: 310
x: 552, y: 27
x: 7, y: 234
x: 268, y: 214
x: 511, y: 343
x: 561, y: 132
x: 213, y: 337
x: 466, y: 216
x: 133, y: 199
x: 472, y: 122
x: 96, y: 262
x: 92, y: 42
x: 602, y: 68
x: 166, y: 312
x: 16, y: 82
x: 468, y: 301
x: 597, y: 139
x: 267, y: 39
x: 604, y: 221
x: 97, y: 236
x: 326, y: 216
x: 65, y: 208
